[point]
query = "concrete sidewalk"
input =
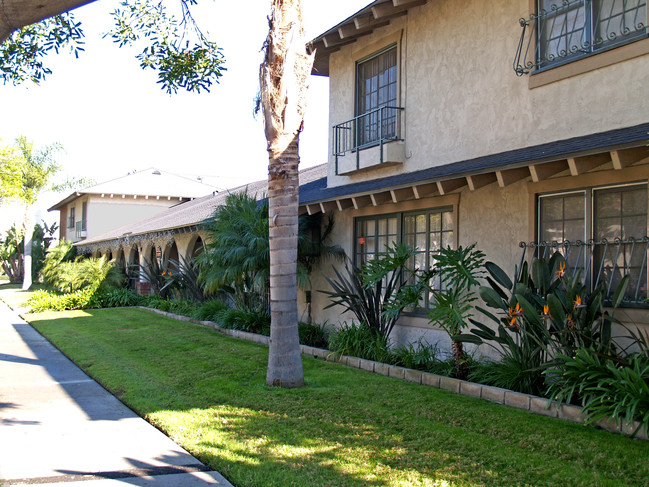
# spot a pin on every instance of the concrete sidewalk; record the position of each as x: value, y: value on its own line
x: 58, y: 426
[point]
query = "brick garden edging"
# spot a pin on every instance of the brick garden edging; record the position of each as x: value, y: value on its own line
x: 518, y: 400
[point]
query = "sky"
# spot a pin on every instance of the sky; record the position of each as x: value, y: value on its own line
x: 113, y: 118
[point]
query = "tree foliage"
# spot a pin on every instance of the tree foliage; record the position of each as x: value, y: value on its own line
x: 23, y: 54
x: 177, y: 49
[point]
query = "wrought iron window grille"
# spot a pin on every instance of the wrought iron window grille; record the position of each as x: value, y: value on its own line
x: 375, y: 127
x: 572, y: 29
x: 600, y: 263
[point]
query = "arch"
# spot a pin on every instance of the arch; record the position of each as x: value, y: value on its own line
x: 132, y: 267
x: 169, y: 253
x: 120, y: 260
x: 195, y: 247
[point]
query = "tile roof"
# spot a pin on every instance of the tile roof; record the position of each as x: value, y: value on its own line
x: 196, y: 211
x: 147, y: 182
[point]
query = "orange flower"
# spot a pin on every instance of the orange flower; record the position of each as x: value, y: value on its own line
x: 571, y: 323
x: 513, y: 314
x: 578, y: 302
x: 546, y: 312
x: 562, y: 270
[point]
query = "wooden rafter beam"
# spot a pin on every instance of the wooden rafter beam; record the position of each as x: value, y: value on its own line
x: 328, y: 207
x: 408, y: 3
x: 627, y: 157
x: 584, y: 164
x: 390, y: 10
x: 344, y: 204
x: 424, y: 190
x: 511, y: 176
x: 361, y: 201
x: 478, y: 181
x: 401, y: 194
x: 445, y: 187
x: 380, y: 198
x: 544, y: 171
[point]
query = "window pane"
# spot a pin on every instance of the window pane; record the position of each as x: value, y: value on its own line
x: 420, y: 241
x: 421, y: 223
x: 616, y: 19
x: 562, y: 29
x: 435, y: 222
x: 447, y: 220
x: 392, y: 226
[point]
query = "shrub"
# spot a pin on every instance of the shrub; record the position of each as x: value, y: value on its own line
x: 182, y: 307
x: 250, y: 320
x: 358, y: 340
x: 209, y: 310
x: 119, y: 297
x: 312, y: 335
x: 606, y: 386
x: 377, y: 293
x: 49, y: 301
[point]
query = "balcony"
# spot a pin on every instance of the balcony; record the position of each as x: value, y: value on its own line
x: 602, y: 263
x: 368, y: 141
x: 81, y: 229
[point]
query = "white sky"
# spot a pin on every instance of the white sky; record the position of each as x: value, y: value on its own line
x: 113, y: 118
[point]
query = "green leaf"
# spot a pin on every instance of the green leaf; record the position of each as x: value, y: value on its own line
x: 499, y: 275
x: 620, y: 291
x: 491, y: 297
x: 529, y: 311
x: 556, y: 309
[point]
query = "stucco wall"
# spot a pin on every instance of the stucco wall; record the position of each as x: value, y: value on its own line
x: 105, y: 214
x: 497, y: 219
x: 462, y: 97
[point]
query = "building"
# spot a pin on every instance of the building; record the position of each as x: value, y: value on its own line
x: 459, y: 122
x: 97, y: 209
x: 174, y: 233
x: 494, y: 122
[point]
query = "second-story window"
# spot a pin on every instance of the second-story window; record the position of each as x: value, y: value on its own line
x: 71, y: 218
x: 376, y: 92
x: 84, y: 215
x: 574, y: 28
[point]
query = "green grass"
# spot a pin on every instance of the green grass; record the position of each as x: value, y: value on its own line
x: 14, y: 296
x: 347, y: 427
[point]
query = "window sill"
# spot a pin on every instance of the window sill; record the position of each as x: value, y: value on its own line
x: 590, y: 63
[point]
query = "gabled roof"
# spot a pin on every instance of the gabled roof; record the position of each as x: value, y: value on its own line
x: 196, y: 211
x: 377, y: 14
x: 150, y: 182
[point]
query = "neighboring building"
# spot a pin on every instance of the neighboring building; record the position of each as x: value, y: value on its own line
x: 103, y: 207
x: 173, y: 233
x: 456, y: 122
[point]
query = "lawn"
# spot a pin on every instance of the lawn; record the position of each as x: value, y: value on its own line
x: 14, y: 296
x: 347, y: 427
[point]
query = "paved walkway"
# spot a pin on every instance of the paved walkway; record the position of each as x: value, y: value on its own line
x: 60, y: 427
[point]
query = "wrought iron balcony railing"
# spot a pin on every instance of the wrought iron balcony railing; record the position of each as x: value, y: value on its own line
x: 370, y: 129
x: 571, y: 29
x: 600, y: 263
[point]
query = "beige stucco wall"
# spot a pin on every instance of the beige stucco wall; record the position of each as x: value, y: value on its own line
x: 105, y: 214
x: 462, y: 97
x: 497, y: 219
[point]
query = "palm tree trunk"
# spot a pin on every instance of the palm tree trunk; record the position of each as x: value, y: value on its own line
x: 284, y: 359
x: 459, y: 357
x: 283, y: 79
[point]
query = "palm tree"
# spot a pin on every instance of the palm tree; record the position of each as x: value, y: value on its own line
x: 33, y: 174
x: 283, y: 79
